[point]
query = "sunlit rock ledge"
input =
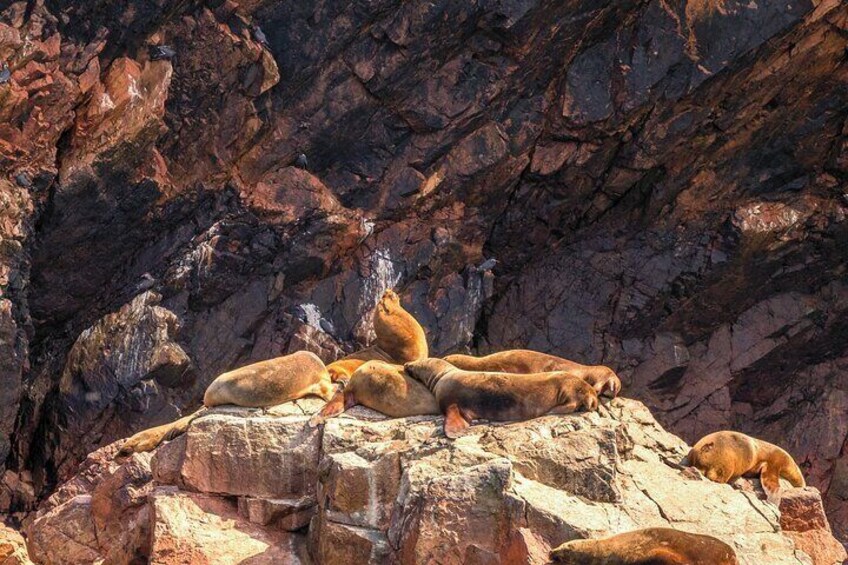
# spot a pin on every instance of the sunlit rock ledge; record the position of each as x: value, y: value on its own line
x: 262, y: 486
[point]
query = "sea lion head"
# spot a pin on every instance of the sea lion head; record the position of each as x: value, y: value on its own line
x: 604, y: 380
x: 389, y: 301
x: 612, y: 384
x: 578, y: 394
x: 576, y: 552
x: 710, y: 459
x: 428, y: 371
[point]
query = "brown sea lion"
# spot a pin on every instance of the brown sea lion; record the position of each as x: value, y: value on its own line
x: 467, y: 395
x: 602, y: 378
x: 257, y: 385
x: 398, y: 333
x: 651, y: 546
x: 725, y: 456
x: 383, y: 387
x: 399, y: 339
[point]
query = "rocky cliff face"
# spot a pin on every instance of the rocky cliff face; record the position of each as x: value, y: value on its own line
x: 249, y: 486
x: 662, y: 184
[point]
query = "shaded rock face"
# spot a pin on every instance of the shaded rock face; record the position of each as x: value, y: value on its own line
x: 662, y: 184
x: 366, y: 489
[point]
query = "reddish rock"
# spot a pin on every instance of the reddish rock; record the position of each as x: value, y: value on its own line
x: 336, y: 544
x: 65, y: 535
x: 395, y: 490
x: 285, y: 514
x: 13, y: 549
x: 194, y: 528
x: 277, y: 457
x: 803, y: 519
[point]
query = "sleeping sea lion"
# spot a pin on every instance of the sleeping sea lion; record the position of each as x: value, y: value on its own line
x: 725, y: 456
x: 651, y: 546
x: 383, y: 387
x: 257, y: 385
x: 467, y: 395
x: 602, y: 378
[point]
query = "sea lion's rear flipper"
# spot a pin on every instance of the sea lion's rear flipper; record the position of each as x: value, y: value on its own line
x: 180, y: 427
x: 455, y: 422
x: 148, y: 440
x: 790, y: 471
x: 770, y: 479
x: 334, y: 407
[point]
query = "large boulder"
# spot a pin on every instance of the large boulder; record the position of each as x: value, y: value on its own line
x: 265, y: 486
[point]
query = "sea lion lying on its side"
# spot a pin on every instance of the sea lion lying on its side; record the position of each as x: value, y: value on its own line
x: 467, y: 395
x: 602, y: 378
x: 725, y: 456
x: 257, y: 385
x: 650, y: 546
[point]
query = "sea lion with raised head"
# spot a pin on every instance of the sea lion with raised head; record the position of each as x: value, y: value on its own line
x: 602, y: 378
x: 650, y: 546
x: 464, y: 396
x: 399, y: 339
x: 725, y: 456
x: 383, y: 387
x: 258, y: 385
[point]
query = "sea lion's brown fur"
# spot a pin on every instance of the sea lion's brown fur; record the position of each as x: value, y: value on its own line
x: 467, y: 395
x: 725, y: 456
x: 342, y: 369
x: 257, y: 385
x: 651, y: 546
x: 602, y: 378
x: 383, y: 387
x: 399, y: 339
x: 149, y: 439
x: 271, y: 382
x: 397, y: 331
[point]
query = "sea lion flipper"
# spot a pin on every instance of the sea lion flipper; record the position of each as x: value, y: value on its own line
x: 455, y: 423
x: 172, y: 433
x: 334, y: 407
x: 770, y: 479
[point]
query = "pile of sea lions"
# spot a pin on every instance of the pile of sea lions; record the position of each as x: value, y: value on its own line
x: 396, y: 377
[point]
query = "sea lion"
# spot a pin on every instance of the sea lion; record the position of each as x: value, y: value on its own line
x: 602, y: 378
x: 271, y: 382
x: 383, y: 387
x: 398, y: 333
x: 725, y: 456
x: 466, y: 395
x: 257, y: 385
x: 651, y: 546
x: 399, y: 339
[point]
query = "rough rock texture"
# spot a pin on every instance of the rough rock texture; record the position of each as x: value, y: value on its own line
x: 662, y: 183
x: 803, y: 519
x: 366, y: 489
x: 13, y: 549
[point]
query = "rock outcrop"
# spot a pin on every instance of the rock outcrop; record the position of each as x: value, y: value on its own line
x: 247, y: 485
x: 661, y: 185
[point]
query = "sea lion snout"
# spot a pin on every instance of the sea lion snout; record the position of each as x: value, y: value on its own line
x: 389, y: 294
